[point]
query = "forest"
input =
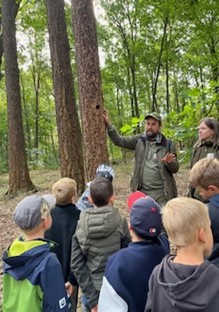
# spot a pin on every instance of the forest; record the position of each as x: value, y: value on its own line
x: 63, y: 62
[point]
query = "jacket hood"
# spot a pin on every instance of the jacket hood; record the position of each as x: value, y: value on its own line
x: 22, y: 257
x: 99, y: 222
x: 185, y: 287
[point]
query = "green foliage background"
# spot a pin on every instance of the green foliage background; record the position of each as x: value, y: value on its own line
x: 135, y: 49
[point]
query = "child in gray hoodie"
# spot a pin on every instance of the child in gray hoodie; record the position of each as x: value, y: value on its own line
x: 185, y: 282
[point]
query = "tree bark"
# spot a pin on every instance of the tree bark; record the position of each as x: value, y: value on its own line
x: 176, y: 91
x: 69, y: 132
x: 26, y: 124
x: 89, y: 83
x: 167, y: 87
x: 1, y: 42
x: 157, y: 71
x: 19, y: 178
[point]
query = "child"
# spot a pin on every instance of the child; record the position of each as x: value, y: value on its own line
x: 185, y: 282
x: 65, y: 216
x: 125, y: 282
x: 204, y: 177
x: 84, y: 201
x: 133, y: 197
x: 101, y: 231
x: 32, y: 275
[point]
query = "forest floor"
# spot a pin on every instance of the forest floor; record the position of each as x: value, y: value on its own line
x: 44, y: 180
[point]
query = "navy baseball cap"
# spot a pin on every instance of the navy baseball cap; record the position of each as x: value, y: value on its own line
x: 145, y: 217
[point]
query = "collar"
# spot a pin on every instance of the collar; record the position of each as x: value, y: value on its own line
x: 158, y: 139
x: 205, y: 143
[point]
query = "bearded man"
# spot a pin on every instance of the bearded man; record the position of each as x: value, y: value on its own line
x: 155, y: 158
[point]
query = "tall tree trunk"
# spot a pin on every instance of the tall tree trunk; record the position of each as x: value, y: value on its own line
x: 36, y: 75
x: 130, y: 89
x: 89, y: 82
x: 25, y: 116
x: 214, y: 59
x: 36, y: 70
x: 69, y: 132
x: 36, y: 82
x: 176, y: 91
x: 19, y: 178
x: 167, y: 87
x: 215, y: 68
x: 1, y: 42
x: 157, y: 71
x: 129, y: 42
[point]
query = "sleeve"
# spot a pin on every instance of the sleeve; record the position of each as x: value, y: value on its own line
x: 126, y: 238
x: 82, y: 273
x: 109, y: 300
x: 122, y: 141
x: 83, y: 202
x: 55, y: 297
x: 148, y: 306
x: 152, y: 294
x: 72, y: 279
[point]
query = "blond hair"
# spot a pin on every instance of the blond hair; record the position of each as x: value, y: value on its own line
x: 182, y: 217
x: 205, y: 173
x: 64, y: 190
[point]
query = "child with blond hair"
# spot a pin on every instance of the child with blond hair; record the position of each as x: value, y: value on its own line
x: 186, y: 281
x: 204, y: 176
x: 65, y: 216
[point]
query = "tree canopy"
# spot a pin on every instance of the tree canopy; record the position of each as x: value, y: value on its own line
x: 156, y: 55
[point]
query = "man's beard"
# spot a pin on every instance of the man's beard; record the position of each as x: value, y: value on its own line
x: 150, y: 134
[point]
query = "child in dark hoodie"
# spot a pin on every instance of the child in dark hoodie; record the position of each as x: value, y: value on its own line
x: 32, y: 275
x: 65, y: 216
x: 185, y: 282
x: 204, y: 177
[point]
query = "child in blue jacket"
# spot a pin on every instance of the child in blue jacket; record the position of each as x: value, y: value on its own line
x: 127, y: 272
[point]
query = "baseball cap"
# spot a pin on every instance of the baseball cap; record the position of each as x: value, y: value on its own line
x: 145, y: 217
x: 105, y: 171
x: 133, y: 197
x: 31, y: 210
x: 154, y: 115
